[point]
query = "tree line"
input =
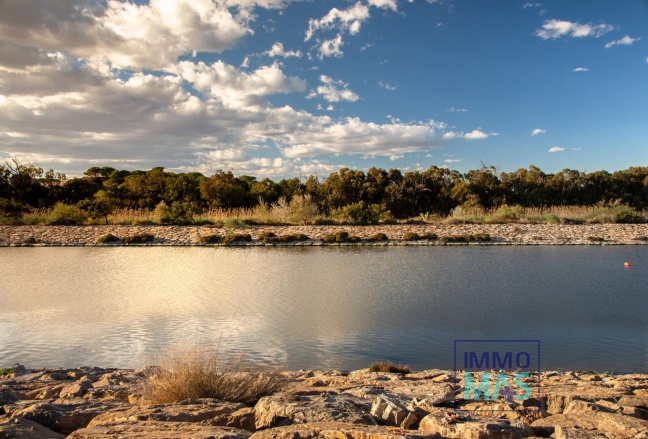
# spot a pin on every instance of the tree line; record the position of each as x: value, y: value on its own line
x: 435, y: 190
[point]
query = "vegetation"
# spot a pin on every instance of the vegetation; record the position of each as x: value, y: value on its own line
x: 378, y: 237
x: 30, y: 195
x: 385, y: 366
x: 141, y: 238
x: 107, y: 239
x: 198, y: 372
x: 595, y: 239
x: 4, y: 372
x: 411, y: 236
x: 210, y: 239
x: 237, y: 237
x: 478, y: 237
x: 340, y: 236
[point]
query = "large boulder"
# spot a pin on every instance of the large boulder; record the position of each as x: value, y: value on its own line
x: 286, y: 409
x: 215, y: 411
x: 338, y: 430
x: 77, y: 389
x: 18, y: 428
x: 62, y: 416
x: 158, y: 430
x: 452, y: 426
x: 392, y: 413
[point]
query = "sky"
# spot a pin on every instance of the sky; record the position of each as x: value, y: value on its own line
x: 285, y: 88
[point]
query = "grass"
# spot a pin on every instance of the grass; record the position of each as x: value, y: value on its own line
x: 242, y: 218
x: 192, y: 372
x: 7, y: 371
x: 385, y: 366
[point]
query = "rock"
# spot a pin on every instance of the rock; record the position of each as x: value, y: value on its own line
x: 63, y: 416
x: 7, y: 397
x: 338, y: 430
x: 55, y: 376
x: 76, y: 390
x: 215, y: 411
x: 50, y: 392
x: 585, y: 406
x: 285, y: 409
x: 472, y: 427
x: 392, y: 413
x: 158, y: 430
x: 618, y: 425
x: 18, y: 428
x: 634, y: 401
x: 576, y: 433
x: 635, y: 412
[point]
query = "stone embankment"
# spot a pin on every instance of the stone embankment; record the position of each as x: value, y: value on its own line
x: 94, y: 403
x: 501, y: 234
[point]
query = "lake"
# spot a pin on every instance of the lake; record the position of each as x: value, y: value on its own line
x: 323, y: 308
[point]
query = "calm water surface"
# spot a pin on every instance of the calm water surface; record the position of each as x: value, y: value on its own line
x: 324, y: 307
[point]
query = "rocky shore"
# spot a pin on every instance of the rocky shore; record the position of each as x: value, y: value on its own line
x: 94, y: 403
x: 501, y: 234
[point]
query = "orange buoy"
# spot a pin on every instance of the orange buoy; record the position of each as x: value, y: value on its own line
x: 626, y: 264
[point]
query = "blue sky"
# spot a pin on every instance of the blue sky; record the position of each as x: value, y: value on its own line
x: 286, y: 88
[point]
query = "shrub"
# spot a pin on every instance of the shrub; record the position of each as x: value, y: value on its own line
x: 264, y: 235
x: 595, y: 239
x: 628, y: 217
x: 301, y: 237
x: 287, y: 238
x: 97, y: 208
x: 181, y: 213
x: 31, y: 240
x: 237, y: 237
x: 354, y: 239
x: 340, y: 236
x: 108, y: 239
x: 385, y: 366
x: 235, y: 223
x: 378, y: 237
x: 321, y: 221
x: 12, y: 209
x: 141, y: 238
x: 67, y: 215
x: 359, y: 213
x: 270, y: 239
x: 210, y: 239
x: 479, y: 237
x: 430, y: 236
x: 7, y: 371
x: 195, y: 372
x: 329, y: 238
x: 411, y: 236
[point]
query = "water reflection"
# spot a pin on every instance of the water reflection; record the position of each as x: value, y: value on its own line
x: 322, y: 307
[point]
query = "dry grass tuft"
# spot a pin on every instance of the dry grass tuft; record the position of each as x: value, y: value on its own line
x: 190, y: 372
x: 384, y: 366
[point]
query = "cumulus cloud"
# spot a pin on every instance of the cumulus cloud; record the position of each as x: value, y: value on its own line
x: 456, y: 110
x: 625, y: 41
x: 532, y: 5
x: 386, y: 4
x: 277, y: 50
x: 553, y: 29
x: 537, y: 132
x: 333, y: 90
x: 452, y: 161
x: 331, y: 48
x: 556, y: 149
x: 349, y: 20
x: 475, y: 135
x: 580, y: 69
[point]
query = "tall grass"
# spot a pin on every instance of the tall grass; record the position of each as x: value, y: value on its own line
x: 195, y: 371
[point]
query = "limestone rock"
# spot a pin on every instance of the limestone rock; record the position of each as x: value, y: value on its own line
x: 7, y: 397
x: 472, y: 427
x: 18, y: 428
x: 215, y: 411
x: 618, y: 425
x: 392, y: 413
x: 286, y: 409
x: 63, y: 416
x: 76, y: 390
x: 157, y: 430
x: 576, y: 433
x: 338, y: 430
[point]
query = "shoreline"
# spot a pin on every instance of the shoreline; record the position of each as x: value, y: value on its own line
x: 182, y: 236
x: 96, y: 403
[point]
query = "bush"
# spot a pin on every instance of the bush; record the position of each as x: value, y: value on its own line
x: 301, y: 237
x: 595, y: 239
x: 7, y: 371
x: 237, y: 237
x: 210, y: 239
x: 430, y: 236
x: 359, y: 213
x: 108, y: 239
x: 67, y: 215
x: 411, y: 236
x: 340, y: 236
x: 195, y: 372
x: 628, y: 217
x: 321, y: 221
x: 378, y: 237
x: 477, y: 237
x: 384, y: 366
x: 264, y: 235
x: 141, y: 238
x: 12, y: 209
x: 181, y: 213
x: 235, y: 223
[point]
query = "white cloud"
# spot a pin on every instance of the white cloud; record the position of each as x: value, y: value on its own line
x: 386, y: 4
x: 387, y: 86
x: 553, y: 29
x: 625, y: 41
x: 538, y: 131
x: 452, y: 161
x: 278, y: 50
x: 532, y: 5
x: 580, y: 69
x: 349, y: 19
x: 456, y: 110
x: 475, y: 135
x: 556, y: 149
x: 330, y: 48
x: 333, y: 91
